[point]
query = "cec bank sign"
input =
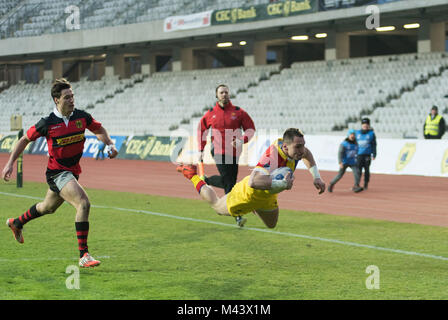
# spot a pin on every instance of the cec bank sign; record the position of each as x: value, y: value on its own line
x: 262, y: 12
x: 152, y: 148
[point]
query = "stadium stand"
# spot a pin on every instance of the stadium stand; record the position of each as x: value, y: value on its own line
x: 137, y: 105
x: 325, y: 96
x: 33, y: 100
x: 424, y: 84
x: 98, y: 13
x: 6, y: 6
x: 177, y: 97
x: 317, y: 96
x: 395, y: 91
x: 162, y: 9
x: 12, y: 17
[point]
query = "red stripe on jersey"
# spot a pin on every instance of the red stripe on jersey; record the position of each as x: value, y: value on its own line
x: 272, y: 158
x: 32, y: 133
x: 200, y: 185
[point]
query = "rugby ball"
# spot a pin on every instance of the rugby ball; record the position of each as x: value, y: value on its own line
x: 280, y: 173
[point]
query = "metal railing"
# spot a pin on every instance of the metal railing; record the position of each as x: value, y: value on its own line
x: 15, y: 20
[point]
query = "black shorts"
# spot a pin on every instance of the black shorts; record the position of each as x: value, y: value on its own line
x: 54, y: 179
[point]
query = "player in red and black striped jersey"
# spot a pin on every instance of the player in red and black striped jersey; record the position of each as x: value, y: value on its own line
x: 64, y: 130
x: 65, y: 140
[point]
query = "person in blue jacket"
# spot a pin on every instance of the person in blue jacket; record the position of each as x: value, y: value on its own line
x: 347, y: 154
x: 366, y: 150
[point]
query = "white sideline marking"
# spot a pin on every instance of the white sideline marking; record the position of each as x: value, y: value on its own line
x: 347, y: 243
x: 47, y: 259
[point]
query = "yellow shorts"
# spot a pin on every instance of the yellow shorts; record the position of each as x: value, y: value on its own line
x: 243, y: 199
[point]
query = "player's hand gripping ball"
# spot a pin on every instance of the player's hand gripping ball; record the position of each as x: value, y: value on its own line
x: 280, y: 173
x: 282, y: 179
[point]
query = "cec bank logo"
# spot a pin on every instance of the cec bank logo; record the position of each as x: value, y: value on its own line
x: 405, y: 156
x: 286, y: 8
x: 445, y: 162
x: 234, y: 14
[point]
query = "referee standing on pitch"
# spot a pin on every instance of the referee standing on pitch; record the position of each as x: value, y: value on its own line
x: 227, y: 122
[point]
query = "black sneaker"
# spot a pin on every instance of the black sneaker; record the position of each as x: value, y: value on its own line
x: 357, y: 189
x: 330, y: 188
x: 240, y: 221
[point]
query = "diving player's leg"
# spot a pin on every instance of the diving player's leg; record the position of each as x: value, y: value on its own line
x: 269, y: 217
x: 205, y: 191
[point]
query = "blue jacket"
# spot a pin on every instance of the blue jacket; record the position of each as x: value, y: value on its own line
x: 348, y: 151
x: 366, y: 142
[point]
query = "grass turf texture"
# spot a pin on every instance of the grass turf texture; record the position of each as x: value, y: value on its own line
x: 155, y: 257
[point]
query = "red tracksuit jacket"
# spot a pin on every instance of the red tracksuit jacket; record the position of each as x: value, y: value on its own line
x: 226, y: 124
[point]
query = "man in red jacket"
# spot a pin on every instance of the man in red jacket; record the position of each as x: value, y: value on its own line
x: 226, y: 122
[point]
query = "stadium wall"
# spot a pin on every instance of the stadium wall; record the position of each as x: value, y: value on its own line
x: 394, y: 156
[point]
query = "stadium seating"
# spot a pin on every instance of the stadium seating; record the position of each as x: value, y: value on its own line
x: 49, y: 16
x: 404, y: 115
x: 163, y: 100
x: 137, y: 105
x: 6, y: 6
x: 319, y: 97
x: 33, y: 101
x: 109, y: 15
x: 164, y: 9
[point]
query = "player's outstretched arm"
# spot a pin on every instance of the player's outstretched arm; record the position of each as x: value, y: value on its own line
x: 18, y: 149
x: 104, y: 137
x: 310, y: 163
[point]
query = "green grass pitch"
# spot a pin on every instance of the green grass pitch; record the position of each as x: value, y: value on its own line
x: 180, y: 249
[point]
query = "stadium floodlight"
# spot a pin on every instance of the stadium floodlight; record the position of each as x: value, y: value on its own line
x: 224, y: 44
x: 299, y: 38
x: 243, y: 43
x: 412, y: 26
x: 384, y: 29
x: 321, y: 35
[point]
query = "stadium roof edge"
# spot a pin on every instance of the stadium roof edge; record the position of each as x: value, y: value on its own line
x: 153, y: 31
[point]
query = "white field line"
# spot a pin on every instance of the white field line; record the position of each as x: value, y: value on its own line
x: 288, y: 234
x: 48, y: 259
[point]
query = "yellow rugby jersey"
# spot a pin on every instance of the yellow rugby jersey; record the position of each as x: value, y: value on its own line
x: 244, y: 199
